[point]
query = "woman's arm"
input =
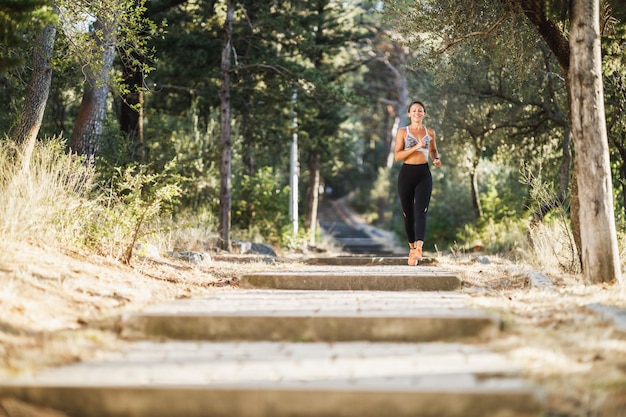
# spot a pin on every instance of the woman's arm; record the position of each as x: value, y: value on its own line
x: 432, y: 149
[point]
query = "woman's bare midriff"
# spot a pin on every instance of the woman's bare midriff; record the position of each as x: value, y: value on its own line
x: 416, y: 159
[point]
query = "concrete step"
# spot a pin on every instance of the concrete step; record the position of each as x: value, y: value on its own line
x: 264, y: 379
x: 296, y: 315
x: 355, y: 278
x: 366, y: 260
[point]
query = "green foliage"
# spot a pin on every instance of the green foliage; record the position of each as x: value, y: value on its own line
x: 501, y: 197
x: 616, y: 130
x: 300, y: 240
x: 133, y: 198
x: 442, y: 28
x: 506, y: 237
x: 613, y: 34
x: 187, y: 49
x: 19, y: 20
x: 621, y: 240
x: 83, y: 26
x: 194, y: 142
x: 450, y: 208
x: 261, y: 203
x: 189, y: 139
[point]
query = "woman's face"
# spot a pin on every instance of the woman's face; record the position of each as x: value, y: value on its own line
x: 416, y: 111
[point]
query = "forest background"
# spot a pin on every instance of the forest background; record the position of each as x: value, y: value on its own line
x: 138, y: 91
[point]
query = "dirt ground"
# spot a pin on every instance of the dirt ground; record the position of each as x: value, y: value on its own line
x: 57, y: 307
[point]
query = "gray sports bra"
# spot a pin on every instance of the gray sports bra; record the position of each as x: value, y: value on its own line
x: 410, y: 141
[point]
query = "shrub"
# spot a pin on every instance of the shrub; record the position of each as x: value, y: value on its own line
x: 261, y: 204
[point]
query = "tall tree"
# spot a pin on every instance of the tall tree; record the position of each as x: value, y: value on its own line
x: 90, y: 120
x: 600, y: 254
x: 282, y: 46
x: 225, y: 131
x: 29, y: 123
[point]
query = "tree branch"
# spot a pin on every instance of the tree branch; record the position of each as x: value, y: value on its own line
x: 276, y: 68
x: 472, y: 34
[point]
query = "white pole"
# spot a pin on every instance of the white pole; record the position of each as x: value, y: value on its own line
x: 293, y: 178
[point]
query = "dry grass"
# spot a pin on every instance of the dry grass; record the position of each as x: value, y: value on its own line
x: 573, y: 353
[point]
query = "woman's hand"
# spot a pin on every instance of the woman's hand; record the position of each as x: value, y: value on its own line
x: 437, y: 162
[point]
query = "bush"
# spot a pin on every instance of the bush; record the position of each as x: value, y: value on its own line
x: 132, y: 199
x: 261, y: 205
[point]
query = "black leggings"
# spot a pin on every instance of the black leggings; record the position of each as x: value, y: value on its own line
x: 415, y: 185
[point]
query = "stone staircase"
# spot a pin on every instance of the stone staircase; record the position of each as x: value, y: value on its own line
x: 317, y: 340
x: 355, y: 237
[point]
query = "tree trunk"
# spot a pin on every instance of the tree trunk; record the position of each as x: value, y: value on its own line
x: 27, y: 129
x: 478, y: 210
x: 225, y: 165
x: 313, y: 198
x: 600, y: 255
x: 89, y: 122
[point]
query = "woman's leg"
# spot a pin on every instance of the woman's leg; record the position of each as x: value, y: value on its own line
x: 423, y: 192
x: 406, y: 192
x: 408, y: 184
